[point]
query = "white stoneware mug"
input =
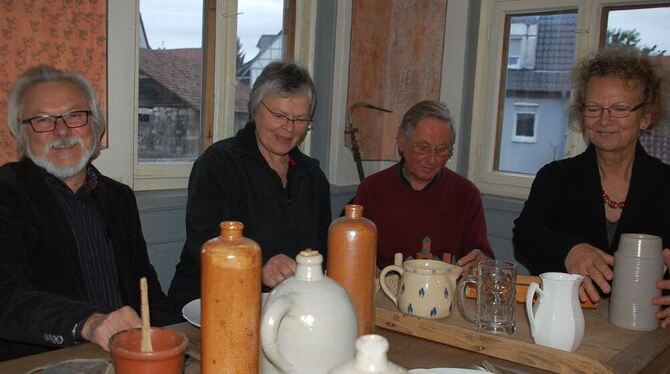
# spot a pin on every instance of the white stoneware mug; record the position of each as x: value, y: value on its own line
x: 426, y: 287
x: 638, y: 264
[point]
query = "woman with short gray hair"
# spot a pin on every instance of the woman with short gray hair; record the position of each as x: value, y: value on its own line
x: 261, y: 178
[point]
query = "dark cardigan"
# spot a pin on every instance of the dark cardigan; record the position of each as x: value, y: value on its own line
x: 232, y: 181
x: 565, y: 207
x: 42, y: 292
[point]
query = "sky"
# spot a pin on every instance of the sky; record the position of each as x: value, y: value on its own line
x: 178, y: 23
x: 653, y: 24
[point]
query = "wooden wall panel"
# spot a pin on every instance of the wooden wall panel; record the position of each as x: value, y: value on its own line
x: 68, y: 34
x: 395, y: 61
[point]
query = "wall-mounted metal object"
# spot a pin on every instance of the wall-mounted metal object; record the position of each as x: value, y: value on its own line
x: 351, y: 130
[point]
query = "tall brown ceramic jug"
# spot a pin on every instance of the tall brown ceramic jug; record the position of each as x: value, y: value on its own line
x: 231, y: 302
x: 352, y: 254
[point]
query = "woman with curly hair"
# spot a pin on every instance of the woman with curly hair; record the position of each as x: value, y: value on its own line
x: 578, y: 207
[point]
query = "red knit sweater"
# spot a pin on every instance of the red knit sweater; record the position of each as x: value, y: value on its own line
x: 449, y: 211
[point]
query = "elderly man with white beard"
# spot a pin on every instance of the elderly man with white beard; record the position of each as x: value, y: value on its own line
x: 71, y: 245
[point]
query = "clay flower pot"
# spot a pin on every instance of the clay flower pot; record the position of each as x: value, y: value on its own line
x: 167, y: 357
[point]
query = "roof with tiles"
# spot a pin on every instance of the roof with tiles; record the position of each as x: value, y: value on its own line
x: 179, y: 75
x: 553, y: 55
x: 178, y: 70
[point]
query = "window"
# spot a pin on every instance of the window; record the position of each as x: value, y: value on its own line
x: 647, y: 29
x: 260, y: 44
x: 503, y: 159
x: 514, y: 52
x: 522, y: 42
x: 524, y: 123
x: 180, y: 124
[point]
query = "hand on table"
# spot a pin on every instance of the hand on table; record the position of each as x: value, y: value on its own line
x: 664, y: 314
x: 471, y: 259
x: 596, y: 265
x: 99, y: 327
x: 277, y: 269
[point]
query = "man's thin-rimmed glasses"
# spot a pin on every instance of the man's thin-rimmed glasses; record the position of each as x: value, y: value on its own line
x: 616, y: 110
x: 47, y: 123
x: 425, y: 149
x: 284, y: 119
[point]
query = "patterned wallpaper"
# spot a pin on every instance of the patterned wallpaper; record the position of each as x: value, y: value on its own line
x: 68, y: 34
x: 395, y: 61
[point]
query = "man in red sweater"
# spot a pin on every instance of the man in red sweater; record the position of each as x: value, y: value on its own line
x: 418, y: 202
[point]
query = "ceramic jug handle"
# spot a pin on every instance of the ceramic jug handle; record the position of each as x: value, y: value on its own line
x: 385, y: 287
x: 461, y: 293
x: 272, y: 319
x: 532, y: 289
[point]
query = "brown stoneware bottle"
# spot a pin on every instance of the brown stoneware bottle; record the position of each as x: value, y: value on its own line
x: 231, y: 302
x: 352, y: 253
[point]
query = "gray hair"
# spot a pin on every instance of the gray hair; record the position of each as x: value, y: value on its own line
x: 42, y: 74
x: 423, y: 109
x: 283, y: 79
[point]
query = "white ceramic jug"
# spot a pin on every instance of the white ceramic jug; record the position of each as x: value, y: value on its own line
x: 556, y: 319
x: 370, y: 358
x: 308, y: 323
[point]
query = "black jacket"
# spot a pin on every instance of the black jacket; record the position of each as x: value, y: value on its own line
x: 565, y: 207
x: 232, y: 181
x: 42, y: 292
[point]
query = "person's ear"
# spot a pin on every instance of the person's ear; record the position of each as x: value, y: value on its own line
x: 646, y: 121
x: 402, y: 142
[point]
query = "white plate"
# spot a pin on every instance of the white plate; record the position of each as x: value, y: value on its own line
x: 446, y: 371
x: 191, y: 312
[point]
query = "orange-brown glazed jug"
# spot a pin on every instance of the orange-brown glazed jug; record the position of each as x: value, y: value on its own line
x: 352, y: 253
x: 231, y: 302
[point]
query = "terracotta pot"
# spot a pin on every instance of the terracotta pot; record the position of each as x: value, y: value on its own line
x: 167, y: 357
x: 231, y: 309
x: 352, y: 253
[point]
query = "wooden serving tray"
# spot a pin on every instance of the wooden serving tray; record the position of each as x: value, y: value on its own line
x: 604, y: 349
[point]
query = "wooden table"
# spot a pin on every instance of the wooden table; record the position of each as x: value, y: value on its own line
x: 604, y: 349
x: 405, y: 350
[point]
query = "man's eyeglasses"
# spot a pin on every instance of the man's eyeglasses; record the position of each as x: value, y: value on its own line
x: 47, y: 123
x: 425, y: 149
x: 616, y: 110
x: 284, y: 119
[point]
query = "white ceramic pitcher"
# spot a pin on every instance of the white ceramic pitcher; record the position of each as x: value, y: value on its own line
x: 556, y: 319
x: 308, y: 324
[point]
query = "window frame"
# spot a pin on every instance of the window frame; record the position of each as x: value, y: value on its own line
x: 119, y: 161
x: 487, y: 97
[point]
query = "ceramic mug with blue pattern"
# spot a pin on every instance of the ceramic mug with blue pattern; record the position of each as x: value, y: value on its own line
x: 426, y: 287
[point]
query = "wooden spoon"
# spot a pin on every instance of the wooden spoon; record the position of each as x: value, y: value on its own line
x: 146, y: 324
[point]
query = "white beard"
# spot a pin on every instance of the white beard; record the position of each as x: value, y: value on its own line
x: 62, y: 172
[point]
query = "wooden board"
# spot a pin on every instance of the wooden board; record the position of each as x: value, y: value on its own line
x: 604, y: 349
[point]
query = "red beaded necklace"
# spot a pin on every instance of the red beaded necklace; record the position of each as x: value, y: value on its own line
x: 611, y: 203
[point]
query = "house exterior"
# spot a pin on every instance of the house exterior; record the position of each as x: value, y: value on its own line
x: 537, y: 91
x: 169, y: 123
x: 270, y: 49
x: 537, y: 95
x: 169, y: 106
